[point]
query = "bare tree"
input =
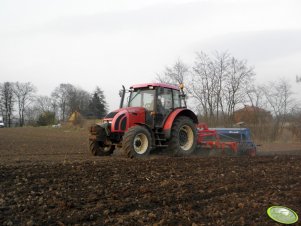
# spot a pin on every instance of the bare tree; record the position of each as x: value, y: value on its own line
x: 69, y: 99
x: 78, y: 100
x: 279, y: 99
x: 177, y: 74
x: 218, y: 84
x: 40, y: 105
x: 221, y: 68
x: 237, y: 82
x: 46, y: 104
x: 295, y: 122
x: 32, y: 113
x: 202, y: 85
x: 2, y: 110
x: 24, y: 94
x: 7, y: 101
x: 255, y: 96
x: 61, y: 96
x: 259, y: 119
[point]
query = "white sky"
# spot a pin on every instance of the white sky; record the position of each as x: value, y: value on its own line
x: 114, y: 42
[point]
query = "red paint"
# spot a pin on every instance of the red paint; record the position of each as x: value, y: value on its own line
x: 169, y: 121
x: 137, y: 86
x: 134, y: 115
x: 214, y: 140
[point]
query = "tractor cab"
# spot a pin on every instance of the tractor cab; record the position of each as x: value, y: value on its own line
x: 158, y: 99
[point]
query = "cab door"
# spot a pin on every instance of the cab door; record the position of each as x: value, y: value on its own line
x: 164, y: 105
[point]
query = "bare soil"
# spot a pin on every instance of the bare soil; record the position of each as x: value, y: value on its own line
x: 47, y: 177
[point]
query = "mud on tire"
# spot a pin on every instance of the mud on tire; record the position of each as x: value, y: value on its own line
x: 183, y: 138
x: 136, y: 142
x: 97, y: 150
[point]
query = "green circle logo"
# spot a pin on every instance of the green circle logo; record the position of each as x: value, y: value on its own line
x: 282, y: 214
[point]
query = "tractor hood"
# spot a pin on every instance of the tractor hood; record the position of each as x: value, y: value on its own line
x: 124, y: 118
x: 130, y: 110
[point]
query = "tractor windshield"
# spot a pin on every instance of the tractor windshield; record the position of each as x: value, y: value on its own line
x: 142, y: 98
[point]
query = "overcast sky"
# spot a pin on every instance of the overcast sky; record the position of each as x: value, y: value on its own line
x: 108, y: 43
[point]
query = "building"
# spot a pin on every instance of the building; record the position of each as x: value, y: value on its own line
x: 252, y: 115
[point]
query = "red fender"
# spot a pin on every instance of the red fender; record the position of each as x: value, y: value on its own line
x: 178, y: 112
x: 132, y: 115
x: 117, y: 116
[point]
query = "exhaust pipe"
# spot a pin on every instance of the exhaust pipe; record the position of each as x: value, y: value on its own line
x: 122, y: 94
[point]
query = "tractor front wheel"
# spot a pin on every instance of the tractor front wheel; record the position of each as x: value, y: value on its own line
x: 136, y: 142
x: 183, y: 138
x: 97, y: 150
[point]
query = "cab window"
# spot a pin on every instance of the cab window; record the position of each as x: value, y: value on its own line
x: 176, y: 98
x: 142, y: 98
x: 165, y: 98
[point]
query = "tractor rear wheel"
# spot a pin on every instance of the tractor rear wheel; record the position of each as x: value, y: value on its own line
x: 136, y: 142
x: 183, y: 138
x: 97, y: 150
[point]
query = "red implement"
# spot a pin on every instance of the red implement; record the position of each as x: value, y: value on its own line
x: 209, y: 139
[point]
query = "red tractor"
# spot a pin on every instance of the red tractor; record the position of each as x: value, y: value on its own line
x: 154, y: 116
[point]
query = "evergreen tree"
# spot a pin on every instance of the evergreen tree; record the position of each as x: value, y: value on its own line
x: 98, y: 105
x: 46, y: 118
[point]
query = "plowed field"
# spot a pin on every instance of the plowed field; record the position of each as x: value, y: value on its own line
x: 47, y: 177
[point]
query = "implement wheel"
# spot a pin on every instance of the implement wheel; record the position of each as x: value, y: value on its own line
x: 136, y: 142
x: 97, y: 150
x: 183, y: 138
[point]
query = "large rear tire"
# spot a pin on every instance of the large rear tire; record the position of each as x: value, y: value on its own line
x: 136, y: 142
x: 97, y: 150
x: 183, y: 138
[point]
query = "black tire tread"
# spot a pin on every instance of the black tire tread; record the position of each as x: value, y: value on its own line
x: 93, y: 146
x: 127, y: 144
x: 174, y: 145
x: 96, y: 150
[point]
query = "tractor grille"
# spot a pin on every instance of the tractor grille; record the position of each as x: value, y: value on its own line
x: 111, y: 114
